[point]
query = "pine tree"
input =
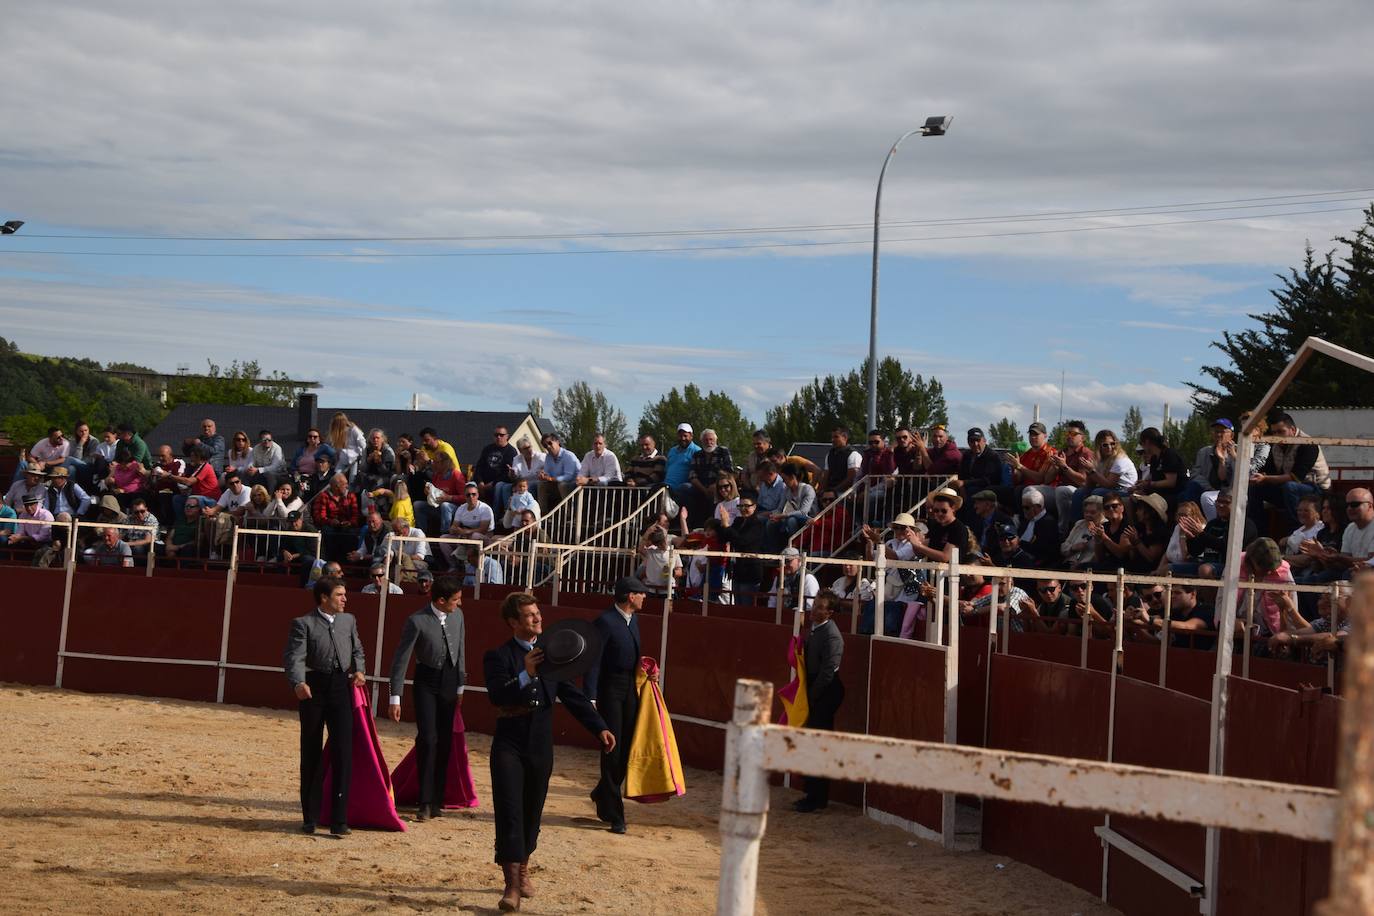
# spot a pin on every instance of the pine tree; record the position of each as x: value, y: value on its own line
x: 1331, y: 298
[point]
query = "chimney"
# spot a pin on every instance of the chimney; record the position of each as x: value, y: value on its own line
x: 307, y: 414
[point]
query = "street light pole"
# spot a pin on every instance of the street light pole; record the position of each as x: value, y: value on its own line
x: 933, y: 127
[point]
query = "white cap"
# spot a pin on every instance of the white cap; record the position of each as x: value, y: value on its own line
x: 684, y: 427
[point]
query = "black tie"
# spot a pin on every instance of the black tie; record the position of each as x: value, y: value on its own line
x: 448, y: 652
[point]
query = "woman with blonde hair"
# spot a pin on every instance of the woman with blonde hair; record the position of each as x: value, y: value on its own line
x: 347, y: 441
x: 1113, y: 473
x: 1189, y: 522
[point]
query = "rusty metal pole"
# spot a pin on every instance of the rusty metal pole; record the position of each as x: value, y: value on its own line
x: 1352, y: 853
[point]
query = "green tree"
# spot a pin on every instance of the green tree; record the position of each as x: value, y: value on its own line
x: 1329, y: 298
x: 1004, y: 434
x: 238, y: 383
x: 1190, y: 435
x: 713, y: 410
x: 1059, y: 440
x: 37, y: 392
x: 1131, y: 425
x: 580, y: 412
x: 904, y: 399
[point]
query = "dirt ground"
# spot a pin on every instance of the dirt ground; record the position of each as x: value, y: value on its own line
x: 117, y: 804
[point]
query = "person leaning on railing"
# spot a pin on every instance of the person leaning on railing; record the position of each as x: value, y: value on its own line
x: 746, y: 534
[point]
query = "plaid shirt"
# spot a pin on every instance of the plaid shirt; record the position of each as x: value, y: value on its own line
x: 332, y: 511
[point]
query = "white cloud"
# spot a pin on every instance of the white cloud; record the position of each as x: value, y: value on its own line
x: 351, y: 118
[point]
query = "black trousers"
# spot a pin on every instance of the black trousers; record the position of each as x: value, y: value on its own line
x: 520, y: 771
x: 330, y: 704
x: 436, y: 696
x: 822, y: 715
x: 619, y: 705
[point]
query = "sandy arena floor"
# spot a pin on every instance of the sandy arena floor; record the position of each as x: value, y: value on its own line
x: 117, y: 804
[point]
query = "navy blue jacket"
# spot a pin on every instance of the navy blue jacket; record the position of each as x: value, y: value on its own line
x: 619, y: 650
x: 502, y: 667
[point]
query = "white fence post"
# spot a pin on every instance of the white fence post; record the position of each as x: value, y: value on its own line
x: 947, y: 801
x: 744, y: 804
x: 228, y: 610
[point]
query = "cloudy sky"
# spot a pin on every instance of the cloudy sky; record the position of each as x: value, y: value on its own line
x: 1015, y: 248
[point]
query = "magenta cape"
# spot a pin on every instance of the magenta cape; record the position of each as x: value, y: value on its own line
x: 369, y: 793
x: 459, y: 792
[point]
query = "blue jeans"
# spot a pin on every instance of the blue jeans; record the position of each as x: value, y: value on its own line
x: 892, y: 618
x: 501, y: 497
x: 1192, y: 491
x: 779, y: 531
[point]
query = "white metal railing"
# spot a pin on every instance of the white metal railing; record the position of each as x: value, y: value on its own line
x: 598, y: 569
x: 753, y: 748
x: 872, y: 500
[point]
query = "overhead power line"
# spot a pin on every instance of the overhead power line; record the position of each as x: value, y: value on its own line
x: 380, y: 255
x: 1237, y: 203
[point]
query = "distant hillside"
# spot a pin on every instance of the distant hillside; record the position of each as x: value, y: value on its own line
x: 37, y: 392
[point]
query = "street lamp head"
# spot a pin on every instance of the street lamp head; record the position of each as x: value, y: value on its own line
x: 11, y: 227
x: 937, y: 126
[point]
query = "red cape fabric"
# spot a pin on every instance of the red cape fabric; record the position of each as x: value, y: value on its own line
x: 369, y: 795
x: 459, y: 791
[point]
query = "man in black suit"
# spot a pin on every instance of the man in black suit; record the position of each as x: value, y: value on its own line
x: 324, y: 661
x: 435, y: 633
x: 824, y: 689
x: 523, y: 685
x: 610, y: 684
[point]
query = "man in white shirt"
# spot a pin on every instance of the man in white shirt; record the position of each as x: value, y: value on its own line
x: 376, y: 576
x: 234, y: 500
x: 471, y: 519
x: 1357, y: 549
x: 492, y: 573
x: 409, y: 554
x: 599, y: 466
x: 50, y: 451
x: 267, y: 461
x: 526, y: 466
x: 793, y: 581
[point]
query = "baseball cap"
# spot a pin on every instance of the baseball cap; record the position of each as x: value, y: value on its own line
x: 791, y: 552
x: 1037, y: 427
x: 424, y: 575
x: 684, y: 427
x: 1223, y: 422
x: 976, y: 433
x: 1007, y: 531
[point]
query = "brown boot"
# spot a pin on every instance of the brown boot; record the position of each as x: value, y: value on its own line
x: 510, y: 897
x: 526, y: 885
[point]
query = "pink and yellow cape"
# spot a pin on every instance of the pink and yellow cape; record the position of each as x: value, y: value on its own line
x: 793, y: 696
x: 653, y: 771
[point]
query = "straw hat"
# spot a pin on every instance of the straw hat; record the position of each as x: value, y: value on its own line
x: 950, y: 494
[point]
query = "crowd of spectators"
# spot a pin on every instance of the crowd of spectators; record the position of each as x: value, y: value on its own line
x: 1082, y: 508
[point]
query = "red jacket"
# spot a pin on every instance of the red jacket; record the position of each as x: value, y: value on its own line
x: 331, y: 511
